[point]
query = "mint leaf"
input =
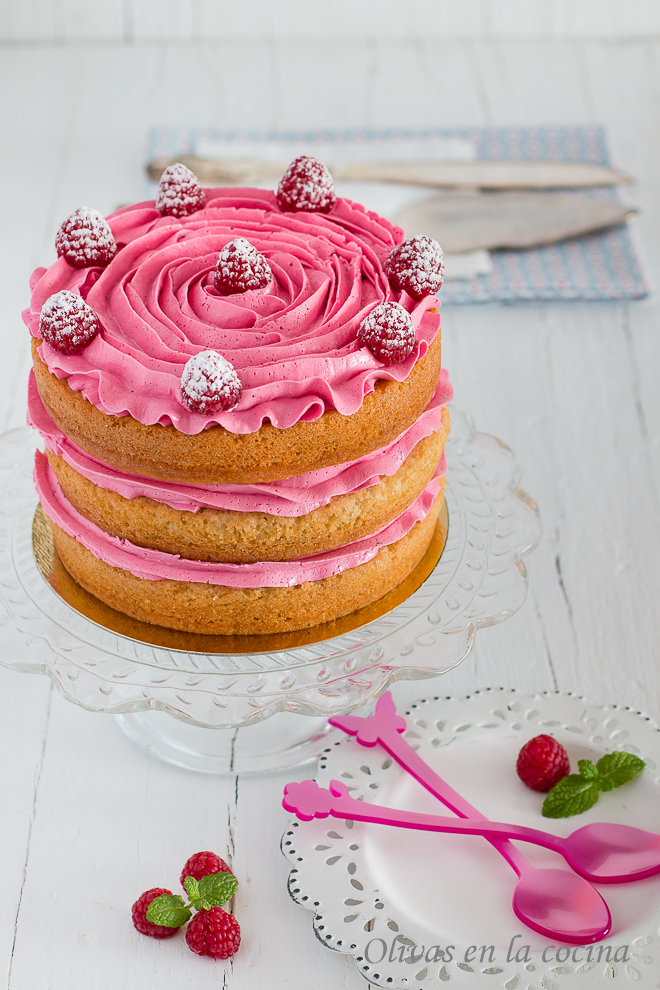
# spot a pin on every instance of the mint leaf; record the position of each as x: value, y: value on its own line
x: 618, y: 768
x: 588, y: 770
x: 218, y: 888
x: 168, y: 910
x: 192, y: 888
x: 571, y: 796
x: 578, y: 792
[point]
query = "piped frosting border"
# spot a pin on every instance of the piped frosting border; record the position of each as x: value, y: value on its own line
x: 293, y: 344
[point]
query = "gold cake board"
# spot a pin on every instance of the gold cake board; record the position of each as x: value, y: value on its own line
x: 53, y: 571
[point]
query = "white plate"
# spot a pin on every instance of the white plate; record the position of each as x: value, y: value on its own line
x: 371, y: 886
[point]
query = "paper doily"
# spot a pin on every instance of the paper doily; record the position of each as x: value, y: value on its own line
x: 381, y: 891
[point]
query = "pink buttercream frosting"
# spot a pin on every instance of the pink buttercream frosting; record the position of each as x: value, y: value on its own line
x: 155, y: 565
x: 291, y: 497
x: 293, y: 343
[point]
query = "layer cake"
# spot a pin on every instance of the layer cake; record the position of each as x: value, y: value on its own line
x: 244, y: 414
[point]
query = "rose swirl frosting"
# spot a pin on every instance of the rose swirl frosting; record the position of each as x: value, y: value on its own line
x: 293, y: 343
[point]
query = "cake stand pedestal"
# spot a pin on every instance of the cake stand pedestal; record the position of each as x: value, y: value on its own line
x: 479, y: 580
x: 281, y: 742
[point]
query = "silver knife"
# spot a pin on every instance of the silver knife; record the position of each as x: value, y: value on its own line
x: 457, y: 175
x: 491, y: 220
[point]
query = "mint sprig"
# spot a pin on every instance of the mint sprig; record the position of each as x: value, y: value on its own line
x: 169, y: 910
x: 577, y: 792
x: 214, y: 890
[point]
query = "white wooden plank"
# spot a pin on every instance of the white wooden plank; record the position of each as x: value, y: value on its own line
x: 625, y: 87
x: 310, y: 93
x: 539, y: 19
x: 628, y: 108
x: 496, y: 356
x: 87, y: 836
x: 243, y: 80
x: 110, y: 823
x: 27, y: 20
x: 270, y: 919
x: 610, y: 533
x: 590, y: 18
x: 343, y: 20
x: 513, y: 18
x: 88, y: 20
x: 24, y: 712
x: 605, y: 19
x: 414, y: 84
x: 567, y: 428
x: 451, y: 91
x: 31, y: 166
x: 533, y: 84
x: 163, y: 20
x: 637, y: 20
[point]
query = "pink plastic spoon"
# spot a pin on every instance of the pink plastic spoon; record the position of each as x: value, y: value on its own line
x: 556, y: 903
x: 601, y: 852
x: 307, y: 800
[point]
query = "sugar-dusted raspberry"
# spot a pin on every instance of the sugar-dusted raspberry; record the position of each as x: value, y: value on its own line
x: 139, y: 912
x: 179, y: 192
x: 542, y: 762
x: 209, y: 383
x: 241, y: 267
x: 85, y: 239
x: 67, y: 323
x: 306, y: 185
x: 213, y: 933
x: 389, y: 333
x: 203, y: 864
x: 416, y: 267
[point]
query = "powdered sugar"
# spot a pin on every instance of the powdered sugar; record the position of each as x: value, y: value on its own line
x: 416, y: 267
x: 240, y: 268
x: 306, y: 185
x: 209, y: 383
x: 179, y: 192
x: 67, y: 323
x: 85, y: 239
x: 389, y: 333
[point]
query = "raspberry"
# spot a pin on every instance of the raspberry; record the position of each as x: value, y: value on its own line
x: 240, y: 267
x: 213, y: 933
x: 203, y: 864
x: 306, y: 185
x: 67, y: 323
x: 139, y: 912
x: 542, y: 762
x: 416, y: 267
x: 179, y: 192
x: 85, y: 239
x: 209, y: 383
x: 389, y: 333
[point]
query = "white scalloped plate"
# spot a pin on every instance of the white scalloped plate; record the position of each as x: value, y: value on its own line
x: 371, y: 886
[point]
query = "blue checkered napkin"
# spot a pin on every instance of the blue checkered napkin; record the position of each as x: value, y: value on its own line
x: 598, y: 266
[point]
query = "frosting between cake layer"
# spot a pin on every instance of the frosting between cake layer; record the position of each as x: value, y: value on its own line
x: 292, y: 497
x: 293, y: 343
x: 155, y: 565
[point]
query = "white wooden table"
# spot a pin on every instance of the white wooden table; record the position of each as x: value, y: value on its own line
x: 89, y: 822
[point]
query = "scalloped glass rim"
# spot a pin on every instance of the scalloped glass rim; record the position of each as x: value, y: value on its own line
x: 480, y: 580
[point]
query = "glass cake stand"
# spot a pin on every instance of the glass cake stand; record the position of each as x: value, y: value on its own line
x: 167, y: 693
